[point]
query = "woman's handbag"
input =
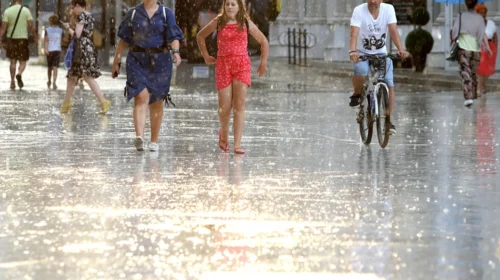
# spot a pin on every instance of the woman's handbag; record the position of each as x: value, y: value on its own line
x: 68, y: 59
x: 73, y: 54
x: 453, y: 55
x: 77, y: 51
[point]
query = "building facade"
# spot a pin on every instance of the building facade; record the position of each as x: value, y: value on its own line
x: 328, y: 25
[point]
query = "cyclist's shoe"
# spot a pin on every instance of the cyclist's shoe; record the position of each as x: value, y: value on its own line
x: 355, y: 100
x: 392, y: 130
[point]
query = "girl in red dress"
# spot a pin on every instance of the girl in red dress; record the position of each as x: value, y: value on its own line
x: 232, y: 66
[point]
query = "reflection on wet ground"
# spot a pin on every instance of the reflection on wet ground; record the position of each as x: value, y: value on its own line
x: 306, y: 202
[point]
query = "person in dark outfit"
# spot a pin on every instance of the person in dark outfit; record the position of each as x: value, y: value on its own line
x: 148, y: 30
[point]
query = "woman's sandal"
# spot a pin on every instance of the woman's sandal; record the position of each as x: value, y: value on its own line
x: 12, y: 85
x: 239, y: 151
x: 225, y: 148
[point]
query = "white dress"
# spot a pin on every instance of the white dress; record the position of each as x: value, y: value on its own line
x: 491, y: 29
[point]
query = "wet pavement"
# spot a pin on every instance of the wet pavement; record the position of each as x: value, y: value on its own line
x: 308, y: 201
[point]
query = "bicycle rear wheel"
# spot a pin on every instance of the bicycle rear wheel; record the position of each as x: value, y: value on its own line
x: 365, y: 121
x: 384, y: 117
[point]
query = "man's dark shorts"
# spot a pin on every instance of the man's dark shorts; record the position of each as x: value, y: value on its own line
x: 18, y: 49
x: 53, y: 59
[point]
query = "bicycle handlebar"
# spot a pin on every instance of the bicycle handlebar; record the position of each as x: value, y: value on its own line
x: 378, y: 56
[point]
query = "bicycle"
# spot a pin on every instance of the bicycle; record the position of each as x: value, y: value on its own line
x: 374, y: 101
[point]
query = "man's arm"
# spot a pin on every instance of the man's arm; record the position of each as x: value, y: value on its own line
x: 393, y: 30
x: 353, y: 44
x: 3, y: 28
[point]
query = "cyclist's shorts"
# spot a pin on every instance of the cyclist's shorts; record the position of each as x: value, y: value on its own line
x: 362, y: 68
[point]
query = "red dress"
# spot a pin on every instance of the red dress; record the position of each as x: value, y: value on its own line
x: 233, y: 62
x: 487, y: 63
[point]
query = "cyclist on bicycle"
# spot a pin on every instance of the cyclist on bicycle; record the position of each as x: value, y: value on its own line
x: 370, y: 23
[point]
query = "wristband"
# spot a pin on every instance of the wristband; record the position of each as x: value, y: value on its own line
x: 175, y: 51
x: 352, y: 52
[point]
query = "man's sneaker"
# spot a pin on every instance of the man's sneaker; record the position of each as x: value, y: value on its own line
x: 392, y: 130
x: 139, y: 143
x: 468, y: 102
x: 354, y: 100
x: 153, y: 147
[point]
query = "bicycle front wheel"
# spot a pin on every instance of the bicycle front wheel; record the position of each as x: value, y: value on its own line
x: 365, y: 121
x: 384, y: 117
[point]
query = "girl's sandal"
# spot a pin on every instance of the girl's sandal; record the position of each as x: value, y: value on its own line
x: 12, y: 85
x: 239, y: 151
x: 225, y: 148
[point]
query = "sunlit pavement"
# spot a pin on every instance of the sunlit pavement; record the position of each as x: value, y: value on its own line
x: 308, y: 201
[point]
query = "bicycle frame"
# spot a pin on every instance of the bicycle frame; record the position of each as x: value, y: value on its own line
x: 376, y: 79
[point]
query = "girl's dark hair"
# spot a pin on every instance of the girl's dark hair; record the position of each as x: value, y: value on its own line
x: 83, y: 3
x: 471, y: 4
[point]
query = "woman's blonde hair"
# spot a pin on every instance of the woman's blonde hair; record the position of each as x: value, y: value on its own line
x: 241, y: 17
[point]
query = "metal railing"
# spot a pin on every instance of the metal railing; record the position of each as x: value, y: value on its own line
x: 298, y: 42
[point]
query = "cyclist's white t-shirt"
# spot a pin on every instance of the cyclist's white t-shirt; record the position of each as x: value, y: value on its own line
x: 373, y: 33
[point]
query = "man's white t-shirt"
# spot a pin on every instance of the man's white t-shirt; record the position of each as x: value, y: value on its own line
x: 373, y: 33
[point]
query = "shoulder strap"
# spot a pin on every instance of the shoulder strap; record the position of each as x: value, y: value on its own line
x: 17, y: 19
x: 164, y: 14
x: 459, y: 25
x: 133, y: 14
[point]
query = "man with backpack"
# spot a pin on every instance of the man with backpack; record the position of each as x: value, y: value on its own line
x: 16, y: 21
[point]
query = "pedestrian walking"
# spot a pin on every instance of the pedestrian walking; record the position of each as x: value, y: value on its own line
x: 67, y: 36
x: 471, y: 27
x: 151, y: 33
x: 16, y: 21
x: 87, y: 66
x: 488, y: 60
x: 52, y: 43
x: 232, y: 66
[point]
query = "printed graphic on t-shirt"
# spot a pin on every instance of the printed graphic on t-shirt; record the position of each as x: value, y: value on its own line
x: 373, y: 42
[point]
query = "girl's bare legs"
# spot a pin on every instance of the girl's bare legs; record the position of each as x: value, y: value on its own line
x: 225, y: 106
x: 141, y: 102
x: 54, y: 76
x: 49, y: 76
x: 239, y: 98
x: 70, y: 88
x: 95, y: 88
x: 155, y: 117
x: 481, y: 89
